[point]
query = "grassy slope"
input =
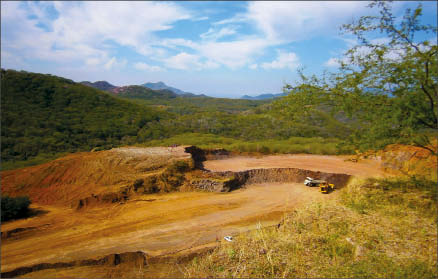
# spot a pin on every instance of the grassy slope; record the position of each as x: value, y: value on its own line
x: 378, y: 228
x: 312, y: 145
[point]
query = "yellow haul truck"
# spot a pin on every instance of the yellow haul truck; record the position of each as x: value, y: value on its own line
x: 324, y: 186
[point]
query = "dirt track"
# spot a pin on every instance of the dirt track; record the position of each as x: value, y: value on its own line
x: 161, y: 224
x: 332, y: 164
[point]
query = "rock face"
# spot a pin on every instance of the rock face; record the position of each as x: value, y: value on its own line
x: 198, y: 155
x: 132, y: 259
x: 229, y: 181
x: 409, y: 160
x: 289, y: 175
x: 214, y: 185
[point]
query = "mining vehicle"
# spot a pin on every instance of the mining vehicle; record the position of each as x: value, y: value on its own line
x: 324, y: 186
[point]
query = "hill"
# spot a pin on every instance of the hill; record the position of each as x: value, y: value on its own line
x: 161, y: 85
x: 140, y: 92
x: 45, y: 114
x: 102, y: 85
x: 263, y: 96
x: 105, y: 173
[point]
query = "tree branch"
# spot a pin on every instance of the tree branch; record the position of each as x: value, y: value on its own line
x: 432, y: 105
x: 434, y: 152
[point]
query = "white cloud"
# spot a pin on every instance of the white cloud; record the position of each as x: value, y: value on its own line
x: 200, y: 18
x: 380, y: 41
x: 332, y: 62
x: 212, y: 34
x: 284, y: 60
x: 114, y: 63
x: 183, y: 61
x: 253, y: 66
x: 292, y: 21
x: 82, y: 30
x: 233, y: 54
x: 186, y: 61
x: 145, y: 67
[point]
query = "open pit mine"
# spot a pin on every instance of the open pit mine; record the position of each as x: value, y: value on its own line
x: 134, y: 211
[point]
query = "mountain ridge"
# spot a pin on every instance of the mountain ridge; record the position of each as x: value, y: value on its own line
x: 263, y: 96
x: 101, y: 84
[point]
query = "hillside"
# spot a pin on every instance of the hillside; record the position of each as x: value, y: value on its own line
x: 161, y: 85
x: 81, y: 175
x: 263, y: 96
x: 140, y: 92
x: 102, y: 85
x: 44, y: 114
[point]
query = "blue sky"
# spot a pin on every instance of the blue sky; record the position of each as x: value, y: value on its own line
x: 223, y: 49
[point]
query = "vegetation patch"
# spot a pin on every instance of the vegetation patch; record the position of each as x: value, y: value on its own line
x: 393, y: 235
x: 293, y: 145
x: 14, y: 208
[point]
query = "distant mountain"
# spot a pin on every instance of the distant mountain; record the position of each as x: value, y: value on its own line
x: 263, y: 96
x: 141, y: 92
x: 161, y: 85
x: 102, y: 85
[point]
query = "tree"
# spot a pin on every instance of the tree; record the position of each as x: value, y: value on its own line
x: 14, y: 208
x: 387, y: 86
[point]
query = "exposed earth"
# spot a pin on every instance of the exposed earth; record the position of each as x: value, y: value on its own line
x: 162, y: 225
x: 330, y: 164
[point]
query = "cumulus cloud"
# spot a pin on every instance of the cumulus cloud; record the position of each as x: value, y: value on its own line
x: 297, y: 20
x: 183, y: 61
x: 232, y: 54
x: 114, y: 63
x: 284, y: 60
x: 81, y: 30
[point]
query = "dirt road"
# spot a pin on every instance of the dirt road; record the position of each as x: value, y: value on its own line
x: 155, y: 224
x: 331, y: 164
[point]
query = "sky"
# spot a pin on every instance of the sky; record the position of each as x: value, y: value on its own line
x: 221, y: 49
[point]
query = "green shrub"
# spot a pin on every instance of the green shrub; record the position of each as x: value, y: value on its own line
x: 14, y: 208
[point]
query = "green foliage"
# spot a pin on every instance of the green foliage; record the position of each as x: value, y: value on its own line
x: 141, y: 92
x: 173, y: 176
x: 183, y: 105
x: 386, y: 91
x: 41, y: 158
x: 14, y: 208
x: 43, y: 114
x: 293, y: 145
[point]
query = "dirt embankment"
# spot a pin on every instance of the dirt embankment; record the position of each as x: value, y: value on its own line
x: 409, y: 160
x: 102, y: 174
x: 131, y: 259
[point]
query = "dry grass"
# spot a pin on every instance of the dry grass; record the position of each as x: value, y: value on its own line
x: 370, y: 232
